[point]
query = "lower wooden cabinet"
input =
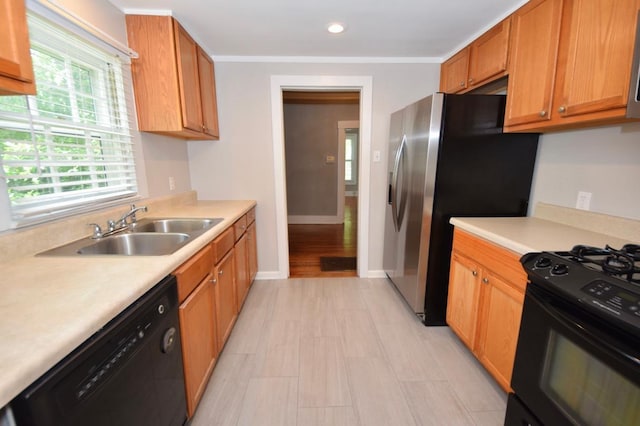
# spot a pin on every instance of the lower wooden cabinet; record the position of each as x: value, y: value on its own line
x: 242, y: 268
x: 199, y: 340
x: 464, y: 298
x: 252, y: 252
x: 246, y: 255
x: 225, y: 296
x: 486, y: 294
x: 210, y: 296
x: 197, y: 312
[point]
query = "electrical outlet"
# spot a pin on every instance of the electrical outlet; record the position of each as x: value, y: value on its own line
x: 584, y: 200
x: 172, y: 183
x: 376, y: 156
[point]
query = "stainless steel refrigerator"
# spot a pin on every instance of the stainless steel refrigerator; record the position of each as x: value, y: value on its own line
x: 448, y: 157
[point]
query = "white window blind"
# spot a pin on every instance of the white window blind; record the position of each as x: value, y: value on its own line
x: 69, y: 147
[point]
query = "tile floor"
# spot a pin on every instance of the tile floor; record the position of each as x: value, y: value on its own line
x: 343, y: 351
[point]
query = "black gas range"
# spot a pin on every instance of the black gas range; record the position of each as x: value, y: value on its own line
x: 606, y: 280
x: 578, y: 355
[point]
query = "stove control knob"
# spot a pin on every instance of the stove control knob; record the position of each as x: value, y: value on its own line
x: 559, y: 269
x: 543, y: 262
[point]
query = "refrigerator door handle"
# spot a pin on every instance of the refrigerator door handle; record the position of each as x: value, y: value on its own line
x: 396, y: 210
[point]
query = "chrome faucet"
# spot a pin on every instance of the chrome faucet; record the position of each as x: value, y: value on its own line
x: 115, y: 227
x: 131, y: 215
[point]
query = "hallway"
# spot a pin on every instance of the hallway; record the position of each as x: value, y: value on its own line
x: 309, y: 243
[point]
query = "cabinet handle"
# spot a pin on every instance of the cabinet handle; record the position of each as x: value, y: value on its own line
x: 462, y: 84
x: 474, y: 273
x: 220, y: 272
x: 470, y: 80
x: 543, y: 113
x: 213, y: 280
x: 485, y: 280
x: 562, y: 109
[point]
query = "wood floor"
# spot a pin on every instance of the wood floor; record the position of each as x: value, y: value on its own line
x: 307, y: 243
x: 343, y: 351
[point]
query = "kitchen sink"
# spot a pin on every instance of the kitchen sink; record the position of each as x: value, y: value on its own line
x: 146, y: 237
x: 138, y: 244
x: 180, y: 225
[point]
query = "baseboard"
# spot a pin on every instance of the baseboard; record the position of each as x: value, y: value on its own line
x: 276, y: 275
x: 314, y: 220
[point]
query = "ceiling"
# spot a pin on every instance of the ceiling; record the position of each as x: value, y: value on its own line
x: 424, y: 30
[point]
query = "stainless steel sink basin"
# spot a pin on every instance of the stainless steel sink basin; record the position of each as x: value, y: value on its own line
x: 139, y: 244
x: 181, y: 225
x: 147, y: 237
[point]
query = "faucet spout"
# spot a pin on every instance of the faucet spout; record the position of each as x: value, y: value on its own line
x: 131, y: 215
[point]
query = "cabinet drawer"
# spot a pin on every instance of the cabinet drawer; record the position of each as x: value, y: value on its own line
x: 222, y: 244
x: 240, y: 226
x: 501, y: 261
x: 251, y: 216
x: 191, y: 273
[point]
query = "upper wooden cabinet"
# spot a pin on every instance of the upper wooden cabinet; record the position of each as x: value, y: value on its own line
x: 173, y: 78
x: 535, y: 34
x: 481, y: 62
x: 489, y: 55
x: 587, y: 83
x: 454, y: 72
x: 16, y: 69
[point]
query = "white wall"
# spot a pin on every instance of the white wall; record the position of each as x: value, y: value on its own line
x: 240, y: 165
x: 604, y: 161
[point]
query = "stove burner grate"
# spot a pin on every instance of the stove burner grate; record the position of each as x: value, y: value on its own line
x: 624, y: 263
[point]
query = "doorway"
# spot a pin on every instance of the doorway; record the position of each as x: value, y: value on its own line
x: 320, y: 138
x: 362, y: 84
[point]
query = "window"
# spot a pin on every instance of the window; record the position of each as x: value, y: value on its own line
x: 68, y: 148
x: 350, y: 156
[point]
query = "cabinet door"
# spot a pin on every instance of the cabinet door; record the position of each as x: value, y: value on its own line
x: 594, y: 60
x: 463, y: 299
x: 226, y: 306
x: 535, y: 33
x: 187, y: 58
x: 489, y: 54
x: 241, y: 256
x: 252, y: 244
x: 16, y: 70
x: 500, y: 319
x: 199, y: 340
x: 454, y: 71
x: 208, y: 94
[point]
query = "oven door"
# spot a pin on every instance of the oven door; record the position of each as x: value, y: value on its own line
x: 571, y: 369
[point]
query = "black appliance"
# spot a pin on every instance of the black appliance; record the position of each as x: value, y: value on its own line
x: 448, y: 156
x: 578, y: 355
x: 128, y: 374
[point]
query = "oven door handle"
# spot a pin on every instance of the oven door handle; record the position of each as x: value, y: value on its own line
x: 572, y: 323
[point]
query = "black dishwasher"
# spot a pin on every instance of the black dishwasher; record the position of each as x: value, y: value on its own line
x: 128, y: 373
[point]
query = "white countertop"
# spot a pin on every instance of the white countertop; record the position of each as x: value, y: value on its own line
x: 530, y: 234
x: 50, y: 305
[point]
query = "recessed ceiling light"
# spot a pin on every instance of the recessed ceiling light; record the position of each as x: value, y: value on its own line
x: 335, y: 28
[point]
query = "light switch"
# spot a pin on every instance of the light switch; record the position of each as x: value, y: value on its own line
x: 376, y: 156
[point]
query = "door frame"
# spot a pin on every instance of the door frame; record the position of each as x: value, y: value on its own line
x: 363, y: 84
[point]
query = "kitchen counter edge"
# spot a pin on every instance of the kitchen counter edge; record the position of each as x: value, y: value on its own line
x: 530, y: 234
